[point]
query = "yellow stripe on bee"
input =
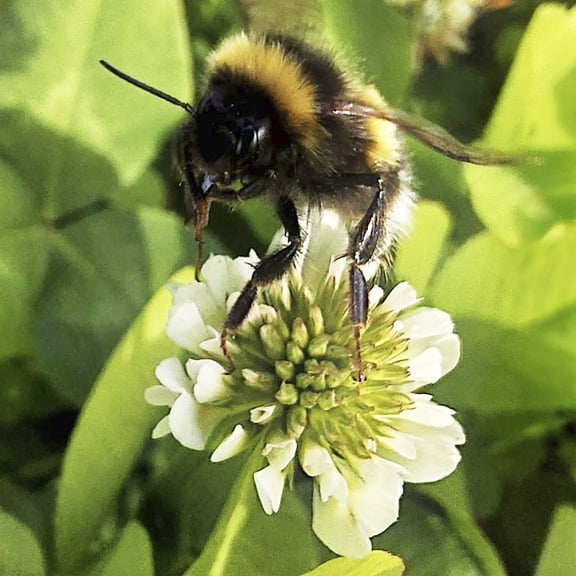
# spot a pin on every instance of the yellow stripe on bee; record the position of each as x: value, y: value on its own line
x: 265, y: 64
x: 384, y: 147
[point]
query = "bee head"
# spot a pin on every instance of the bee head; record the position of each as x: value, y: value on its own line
x: 233, y: 133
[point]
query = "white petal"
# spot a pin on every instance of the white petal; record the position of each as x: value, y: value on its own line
x: 332, y: 485
x: 225, y: 275
x: 161, y: 429
x: 424, y: 411
x: 327, y: 239
x: 263, y: 414
x: 434, y: 461
x: 426, y: 322
x: 160, y: 396
x: 315, y: 459
x: 434, y: 433
x: 187, y: 328
x: 426, y: 366
x: 192, y: 423
x: 171, y: 374
x: 236, y: 442
x: 317, y: 462
x: 201, y: 295
x: 279, y: 450
x: 400, y: 443
x: 375, y: 498
x: 209, y: 385
x: 335, y: 524
x: 375, y: 296
x: 270, y: 485
x: 402, y: 296
x: 450, y: 349
x: 212, y: 344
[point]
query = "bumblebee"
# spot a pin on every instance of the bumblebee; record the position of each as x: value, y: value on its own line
x: 279, y: 118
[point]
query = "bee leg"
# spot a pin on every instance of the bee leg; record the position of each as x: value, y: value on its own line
x: 364, y: 244
x: 270, y: 268
x: 358, y: 310
x: 196, y: 200
x: 202, y: 199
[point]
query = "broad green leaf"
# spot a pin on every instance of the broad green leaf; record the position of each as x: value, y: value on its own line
x: 49, y: 69
x: 367, y: 31
x: 463, y: 525
x: 20, y: 554
x: 377, y: 563
x: 510, y: 204
x: 535, y: 114
x: 131, y: 556
x: 558, y: 557
x: 247, y: 541
x: 186, y: 496
x: 419, y: 253
x: 58, y: 188
x: 514, y: 287
x: 536, y: 109
x: 509, y: 370
x: 19, y: 208
x: 111, y: 431
x: 528, y: 505
x: 102, y: 271
x: 74, y: 271
x: 23, y: 263
x: 433, y: 541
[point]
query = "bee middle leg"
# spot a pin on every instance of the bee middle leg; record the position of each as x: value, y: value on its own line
x: 270, y: 268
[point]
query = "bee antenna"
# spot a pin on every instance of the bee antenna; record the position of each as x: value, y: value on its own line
x: 147, y: 88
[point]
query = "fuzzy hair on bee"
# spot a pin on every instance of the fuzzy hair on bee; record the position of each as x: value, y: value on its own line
x: 278, y: 118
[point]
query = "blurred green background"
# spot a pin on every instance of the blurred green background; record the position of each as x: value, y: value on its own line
x: 90, y: 230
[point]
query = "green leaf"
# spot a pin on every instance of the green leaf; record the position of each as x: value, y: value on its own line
x: 74, y: 272
x: 111, y: 431
x: 102, y: 271
x: 23, y: 263
x: 451, y: 494
x: 504, y: 369
x: 244, y: 536
x: 558, y: 557
x: 132, y: 555
x: 377, y: 563
x: 58, y: 188
x: 419, y: 254
x: 536, y: 109
x: 49, y: 69
x: 20, y: 554
x: 535, y: 114
x: 514, y: 287
x: 434, y: 539
x: 366, y: 31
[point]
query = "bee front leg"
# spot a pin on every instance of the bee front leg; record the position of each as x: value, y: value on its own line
x: 270, y: 268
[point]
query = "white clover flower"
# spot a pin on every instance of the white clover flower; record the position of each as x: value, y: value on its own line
x: 441, y: 26
x: 296, y: 382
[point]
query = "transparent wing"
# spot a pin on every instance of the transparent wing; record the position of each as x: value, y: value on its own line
x: 430, y: 134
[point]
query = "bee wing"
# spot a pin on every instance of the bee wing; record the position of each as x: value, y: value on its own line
x: 429, y: 133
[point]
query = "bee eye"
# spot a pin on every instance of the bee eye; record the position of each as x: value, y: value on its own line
x: 247, y: 141
x: 233, y: 136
